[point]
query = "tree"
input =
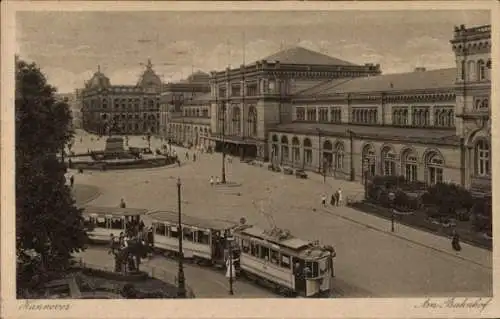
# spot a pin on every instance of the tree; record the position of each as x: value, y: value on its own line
x: 49, y: 227
x: 448, y: 198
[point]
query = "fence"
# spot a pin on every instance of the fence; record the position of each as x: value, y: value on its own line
x: 153, y: 272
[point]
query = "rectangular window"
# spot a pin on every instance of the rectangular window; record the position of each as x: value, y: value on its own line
x: 245, y: 246
x: 254, y: 249
x: 235, y: 90
x: 274, y: 256
x: 323, y: 114
x: 252, y: 90
x: 311, y: 114
x: 202, y: 237
x: 300, y: 114
x: 174, y: 232
x: 285, y: 261
x: 264, y: 253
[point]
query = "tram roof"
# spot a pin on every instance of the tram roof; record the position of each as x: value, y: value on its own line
x: 116, y: 211
x: 290, y: 242
x: 291, y: 245
x: 173, y: 217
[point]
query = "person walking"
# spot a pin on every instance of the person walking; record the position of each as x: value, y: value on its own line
x: 211, y: 181
x: 455, y: 242
x: 217, y: 180
x: 72, y: 181
x: 339, y: 197
x: 194, y: 157
x: 187, y: 156
x: 323, y: 200
x: 333, y: 200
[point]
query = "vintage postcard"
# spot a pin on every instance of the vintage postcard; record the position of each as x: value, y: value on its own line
x: 268, y: 159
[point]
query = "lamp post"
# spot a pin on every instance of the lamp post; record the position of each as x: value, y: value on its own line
x: 223, y: 143
x: 319, y: 150
x: 351, y: 133
x: 365, y: 176
x: 391, y: 204
x: 181, y: 293
x: 229, y: 240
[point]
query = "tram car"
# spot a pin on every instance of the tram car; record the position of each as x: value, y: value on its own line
x: 101, y: 222
x: 204, y: 241
x: 291, y: 266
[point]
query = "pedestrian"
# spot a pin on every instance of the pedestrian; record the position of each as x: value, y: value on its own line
x: 333, y: 200
x: 194, y: 157
x: 187, y: 156
x: 339, y: 197
x: 72, y: 181
x: 211, y: 181
x: 455, y: 242
x: 323, y: 200
x: 217, y: 180
x: 111, y: 244
x: 230, y: 269
x: 122, y: 203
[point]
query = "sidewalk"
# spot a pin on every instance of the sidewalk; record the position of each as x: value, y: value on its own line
x: 469, y: 253
x: 205, y: 282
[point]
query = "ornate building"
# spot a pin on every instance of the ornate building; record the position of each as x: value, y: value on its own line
x: 248, y: 101
x: 172, y: 101
x: 426, y: 125
x: 125, y: 109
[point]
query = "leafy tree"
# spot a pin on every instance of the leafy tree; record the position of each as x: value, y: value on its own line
x: 49, y: 227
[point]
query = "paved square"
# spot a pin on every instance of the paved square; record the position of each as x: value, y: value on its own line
x: 369, y: 262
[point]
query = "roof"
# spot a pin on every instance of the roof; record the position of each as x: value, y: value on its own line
x: 290, y: 241
x: 300, y: 55
x: 115, y: 211
x: 410, y: 134
x: 419, y: 80
x: 173, y: 217
x: 205, y: 97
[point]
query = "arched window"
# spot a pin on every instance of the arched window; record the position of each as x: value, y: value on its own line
x: 405, y: 117
x: 252, y: 121
x: 369, y: 160
x: 295, y: 151
x: 307, y: 152
x: 327, y: 155
x: 236, y: 121
x: 389, y: 161
x: 434, y: 164
x: 339, y: 156
x: 483, y: 163
x: 409, y: 163
x: 451, y: 118
x: 471, y: 74
x: 284, y: 149
x: 481, y: 70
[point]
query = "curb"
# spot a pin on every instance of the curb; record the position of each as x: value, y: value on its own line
x: 408, y: 239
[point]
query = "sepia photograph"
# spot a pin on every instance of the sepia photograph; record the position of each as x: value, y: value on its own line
x: 251, y: 154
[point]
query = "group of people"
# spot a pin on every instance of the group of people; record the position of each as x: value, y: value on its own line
x: 335, y: 200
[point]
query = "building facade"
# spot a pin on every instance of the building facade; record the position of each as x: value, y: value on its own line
x: 430, y: 126
x: 73, y: 101
x: 122, y: 109
x: 248, y: 101
x: 172, y: 101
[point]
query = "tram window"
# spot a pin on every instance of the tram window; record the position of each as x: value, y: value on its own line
x: 188, y: 234
x: 285, y: 261
x: 313, y: 269
x: 160, y: 229
x: 264, y: 253
x: 116, y: 223
x: 245, y: 246
x: 202, y: 237
x: 101, y: 222
x: 174, y: 232
x: 274, y: 257
x: 254, y: 249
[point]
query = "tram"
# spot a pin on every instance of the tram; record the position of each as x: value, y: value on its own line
x: 204, y: 240
x: 101, y: 222
x: 288, y: 264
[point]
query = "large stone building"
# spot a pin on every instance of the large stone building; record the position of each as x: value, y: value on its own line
x: 73, y: 101
x: 125, y: 109
x: 307, y: 110
x: 174, y: 103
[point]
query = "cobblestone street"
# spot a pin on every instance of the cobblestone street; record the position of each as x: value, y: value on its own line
x: 370, y: 260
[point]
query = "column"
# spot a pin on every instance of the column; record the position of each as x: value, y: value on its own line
x: 330, y: 114
x: 317, y: 113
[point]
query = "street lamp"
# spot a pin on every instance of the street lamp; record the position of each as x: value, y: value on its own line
x: 229, y: 240
x: 181, y: 292
x: 223, y: 146
x: 319, y: 155
x: 392, y: 196
x: 351, y: 133
x: 365, y: 177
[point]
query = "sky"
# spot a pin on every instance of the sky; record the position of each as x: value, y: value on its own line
x: 68, y: 46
